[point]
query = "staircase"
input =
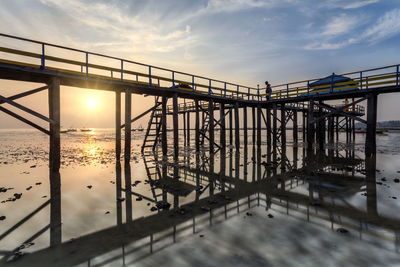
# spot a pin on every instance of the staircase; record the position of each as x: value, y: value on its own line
x: 153, y: 132
x: 204, y: 129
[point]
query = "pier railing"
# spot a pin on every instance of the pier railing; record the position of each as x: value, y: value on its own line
x: 41, y: 55
x: 31, y: 53
x: 360, y: 80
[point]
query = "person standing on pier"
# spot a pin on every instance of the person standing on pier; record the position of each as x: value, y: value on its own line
x: 268, y: 89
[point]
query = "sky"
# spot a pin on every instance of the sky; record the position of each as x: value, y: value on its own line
x: 241, y: 41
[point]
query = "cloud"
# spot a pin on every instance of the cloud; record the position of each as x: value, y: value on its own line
x: 347, y: 4
x: 234, y: 5
x: 126, y: 30
x: 340, y: 24
x: 359, y: 4
x: 387, y: 26
x: 325, y: 46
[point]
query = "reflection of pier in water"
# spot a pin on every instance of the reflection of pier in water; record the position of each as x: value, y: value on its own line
x: 219, y: 196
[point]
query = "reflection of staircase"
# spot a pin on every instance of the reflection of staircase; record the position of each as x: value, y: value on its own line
x: 153, y: 132
x: 153, y: 173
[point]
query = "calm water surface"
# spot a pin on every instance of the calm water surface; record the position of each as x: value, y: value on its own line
x: 112, y: 212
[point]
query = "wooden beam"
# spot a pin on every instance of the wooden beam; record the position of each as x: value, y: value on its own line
x: 118, y: 125
x: 310, y: 125
x: 128, y: 110
x: 30, y: 92
x: 211, y: 126
x: 370, y: 139
x: 283, y: 129
x: 176, y: 126
x: 295, y: 128
x: 54, y: 155
x: 197, y: 126
x: 245, y: 126
x: 164, y: 126
x: 142, y: 114
x: 268, y: 124
x: 253, y: 112
x: 237, y: 126
x: 28, y: 110
x: 258, y: 126
x: 274, y: 126
x: 18, y: 117
x: 188, y: 128
x: 222, y: 124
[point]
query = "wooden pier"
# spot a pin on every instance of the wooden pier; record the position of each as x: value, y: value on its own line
x: 196, y: 103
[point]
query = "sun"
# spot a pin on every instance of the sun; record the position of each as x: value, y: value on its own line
x: 91, y: 103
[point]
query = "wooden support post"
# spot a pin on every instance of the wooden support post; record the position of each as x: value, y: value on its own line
x: 245, y: 126
x: 54, y: 164
x: 329, y: 119
x: 237, y: 126
x: 347, y: 129
x: 176, y: 126
x: 164, y: 127
x: 128, y: 110
x: 222, y: 138
x: 253, y: 113
x: 197, y: 125
x: 258, y: 127
x: 310, y: 125
x: 370, y: 140
x: 118, y: 125
x: 337, y: 128
x: 188, y: 128
x: 283, y: 128
x: 268, y: 128
x: 304, y: 126
x: 274, y: 126
x: 321, y: 128
x: 353, y: 128
x: 184, y: 127
x: 230, y: 127
x: 211, y: 126
x: 295, y: 130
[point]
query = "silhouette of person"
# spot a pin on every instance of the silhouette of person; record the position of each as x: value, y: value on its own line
x: 268, y: 88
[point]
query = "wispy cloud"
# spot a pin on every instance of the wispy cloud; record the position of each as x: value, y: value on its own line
x: 125, y: 29
x: 347, y: 4
x: 359, y: 4
x: 385, y: 27
x: 340, y: 24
